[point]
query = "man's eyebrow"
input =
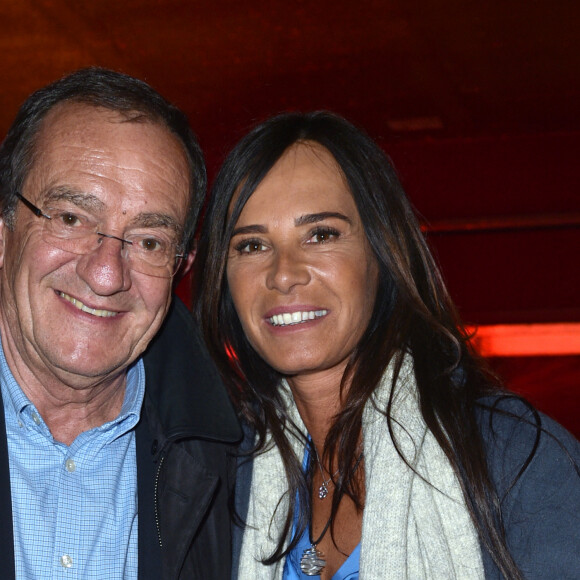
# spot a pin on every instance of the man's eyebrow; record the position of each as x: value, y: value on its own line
x: 313, y: 218
x: 83, y: 200
x: 157, y: 220
x: 253, y: 229
x: 93, y: 204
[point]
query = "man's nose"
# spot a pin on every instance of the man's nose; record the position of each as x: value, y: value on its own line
x: 105, y: 269
x: 112, y: 237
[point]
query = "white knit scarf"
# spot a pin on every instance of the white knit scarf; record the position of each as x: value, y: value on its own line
x: 412, y: 530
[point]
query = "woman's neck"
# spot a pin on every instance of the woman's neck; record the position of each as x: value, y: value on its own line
x: 318, y: 401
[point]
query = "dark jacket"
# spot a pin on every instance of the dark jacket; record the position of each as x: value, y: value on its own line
x: 184, y: 464
x: 541, y: 512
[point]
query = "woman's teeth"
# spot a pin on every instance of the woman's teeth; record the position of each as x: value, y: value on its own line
x: 289, y: 318
x: 81, y: 306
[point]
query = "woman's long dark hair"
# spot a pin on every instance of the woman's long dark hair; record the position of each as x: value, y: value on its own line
x: 413, y: 314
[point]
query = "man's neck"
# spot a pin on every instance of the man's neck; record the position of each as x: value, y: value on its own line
x: 68, y: 416
x: 69, y: 404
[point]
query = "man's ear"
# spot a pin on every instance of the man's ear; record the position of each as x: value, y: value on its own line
x: 188, y: 262
x: 185, y: 266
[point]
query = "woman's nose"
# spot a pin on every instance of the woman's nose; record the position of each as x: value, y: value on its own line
x: 287, y: 270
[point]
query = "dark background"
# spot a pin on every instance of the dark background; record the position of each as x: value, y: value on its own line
x: 475, y: 102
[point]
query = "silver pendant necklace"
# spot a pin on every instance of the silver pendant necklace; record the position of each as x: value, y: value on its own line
x: 312, y: 562
x: 323, y: 488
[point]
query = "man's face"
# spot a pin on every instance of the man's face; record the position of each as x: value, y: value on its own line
x: 84, y: 318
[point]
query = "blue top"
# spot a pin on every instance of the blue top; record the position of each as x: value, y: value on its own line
x: 349, y: 569
x: 74, y: 507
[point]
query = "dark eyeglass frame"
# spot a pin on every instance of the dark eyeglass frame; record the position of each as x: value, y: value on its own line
x: 39, y: 213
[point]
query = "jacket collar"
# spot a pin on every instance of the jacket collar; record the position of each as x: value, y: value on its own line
x: 183, y: 384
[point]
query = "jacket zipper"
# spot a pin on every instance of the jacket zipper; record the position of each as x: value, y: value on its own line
x: 157, y: 499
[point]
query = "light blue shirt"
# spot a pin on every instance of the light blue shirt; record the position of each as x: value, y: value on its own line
x: 74, y: 507
x: 349, y: 569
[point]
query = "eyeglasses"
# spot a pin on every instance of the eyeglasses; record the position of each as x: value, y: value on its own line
x: 152, y: 253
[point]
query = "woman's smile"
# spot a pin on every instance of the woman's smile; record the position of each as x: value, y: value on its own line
x: 297, y: 317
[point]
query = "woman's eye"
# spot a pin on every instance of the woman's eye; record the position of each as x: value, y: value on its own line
x: 323, y: 235
x: 249, y: 247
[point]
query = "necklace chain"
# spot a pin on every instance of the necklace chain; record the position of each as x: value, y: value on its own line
x: 312, y: 561
x: 323, y: 488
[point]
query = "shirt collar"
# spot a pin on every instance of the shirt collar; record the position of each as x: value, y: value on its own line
x: 134, y: 393
x: 15, y: 401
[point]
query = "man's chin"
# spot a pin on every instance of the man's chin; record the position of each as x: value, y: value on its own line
x: 89, y: 370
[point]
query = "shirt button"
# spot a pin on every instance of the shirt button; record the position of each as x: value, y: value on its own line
x: 70, y: 467
x: 66, y: 561
x: 36, y: 418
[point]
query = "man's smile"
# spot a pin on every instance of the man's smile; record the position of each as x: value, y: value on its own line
x: 78, y: 304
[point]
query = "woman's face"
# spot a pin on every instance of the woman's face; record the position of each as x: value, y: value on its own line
x: 300, y: 270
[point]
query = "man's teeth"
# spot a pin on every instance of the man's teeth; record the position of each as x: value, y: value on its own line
x: 289, y: 318
x: 81, y: 306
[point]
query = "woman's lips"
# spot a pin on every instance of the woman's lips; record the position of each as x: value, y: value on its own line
x: 296, y: 317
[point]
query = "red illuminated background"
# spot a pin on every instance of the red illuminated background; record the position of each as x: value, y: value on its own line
x: 475, y: 102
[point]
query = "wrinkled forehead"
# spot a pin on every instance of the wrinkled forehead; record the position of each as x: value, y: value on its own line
x: 98, y: 127
x: 74, y: 120
x: 76, y: 137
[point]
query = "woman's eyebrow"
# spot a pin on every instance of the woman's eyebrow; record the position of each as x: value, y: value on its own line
x: 252, y: 229
x: 312, y: 218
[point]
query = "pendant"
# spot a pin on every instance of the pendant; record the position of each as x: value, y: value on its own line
x: 322, y: 490
x: 312, y: 562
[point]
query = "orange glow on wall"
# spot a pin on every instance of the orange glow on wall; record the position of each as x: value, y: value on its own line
x: 554, y: 339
